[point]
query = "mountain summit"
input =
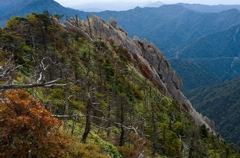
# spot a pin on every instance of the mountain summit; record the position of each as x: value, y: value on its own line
x: 113, y: 6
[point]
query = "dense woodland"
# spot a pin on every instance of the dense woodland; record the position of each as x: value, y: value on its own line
x: 193, y: 75
x: 224, y: 101
x: 62, y: 96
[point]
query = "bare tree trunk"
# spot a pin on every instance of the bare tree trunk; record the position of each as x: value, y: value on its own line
x: 154, y: 131
x: 113, y: 100
x: 43, y: 38
x: 88, y: 122
x: 66, y: 108
x: 73, y: 126
x: 109, y: 119
x: 191, y: 147
x: 121, y: 141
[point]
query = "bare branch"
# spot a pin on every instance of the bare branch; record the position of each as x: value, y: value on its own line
x: 68, y: 116
x: 105, y: 128
x: 46, y: 84
x: 129, y: 128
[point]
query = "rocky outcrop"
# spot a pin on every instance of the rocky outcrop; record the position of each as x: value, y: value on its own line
x: 113, y: 22
x: 147, y: 54
x: 69, y: 26
x: 170, y: 78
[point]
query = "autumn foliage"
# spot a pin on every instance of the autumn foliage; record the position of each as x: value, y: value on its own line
x: 27, y: 129
x: 111, y: 41
x: 139, y: 147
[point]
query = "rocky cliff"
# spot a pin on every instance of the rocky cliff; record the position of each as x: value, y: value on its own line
x: 143, y: 53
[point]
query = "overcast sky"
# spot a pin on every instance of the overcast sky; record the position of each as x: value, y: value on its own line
x: 211, y: 2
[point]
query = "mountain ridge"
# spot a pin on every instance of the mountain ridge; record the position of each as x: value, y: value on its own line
x: 172, y: 85
x: 162, y: 73
x: 37, y: 6
x: 111, y: 6
x: 209, y: 8
x: 101, y: 84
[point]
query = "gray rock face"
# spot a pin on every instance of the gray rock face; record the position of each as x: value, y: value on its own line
x: 68, y: 26
x: 155, y: 57
x: 149, y: 55
x: 113, y: 22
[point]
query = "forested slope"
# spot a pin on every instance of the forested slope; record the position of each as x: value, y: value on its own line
x: 109, y: 99
x: 193, y: 75
x: 218, y: 101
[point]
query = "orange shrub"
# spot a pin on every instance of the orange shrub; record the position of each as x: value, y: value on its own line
x: 27, y: 129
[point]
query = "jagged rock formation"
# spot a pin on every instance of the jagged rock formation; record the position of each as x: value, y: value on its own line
x: 168, y: 81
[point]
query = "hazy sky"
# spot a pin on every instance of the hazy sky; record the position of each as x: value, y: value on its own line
x: 211, y: 2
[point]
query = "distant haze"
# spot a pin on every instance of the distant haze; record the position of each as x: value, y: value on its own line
x: 114, y: 6
x: 70, y: 3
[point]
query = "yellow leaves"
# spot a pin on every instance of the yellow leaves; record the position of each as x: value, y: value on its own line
x: 32, y: 18
x: 56, y: 93
x: 172, y: 144
x: 77, y: 105
x: 127, y: 152
x: 2, y: 105
x: 88, y: 151
x: 212, y: 153
x: 26, y: 48
x: 3, y: 59
x: 12, y: 22
x: 177, y: 126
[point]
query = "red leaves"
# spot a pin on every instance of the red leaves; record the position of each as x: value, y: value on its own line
x: 140, y: 145
x: 135, y: 57
x: 111, y: 41
x: 26, y: 125
x: 146, y: 72
x: 73, y: 30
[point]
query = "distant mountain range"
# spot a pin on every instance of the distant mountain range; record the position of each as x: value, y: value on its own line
x: 115, y: 6
x: 171, y: 27
x: 22, y: 7
x: 124, y: 5
x: 209, y: 8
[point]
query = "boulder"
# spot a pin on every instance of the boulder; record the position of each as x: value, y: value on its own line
x: 113, y: 22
